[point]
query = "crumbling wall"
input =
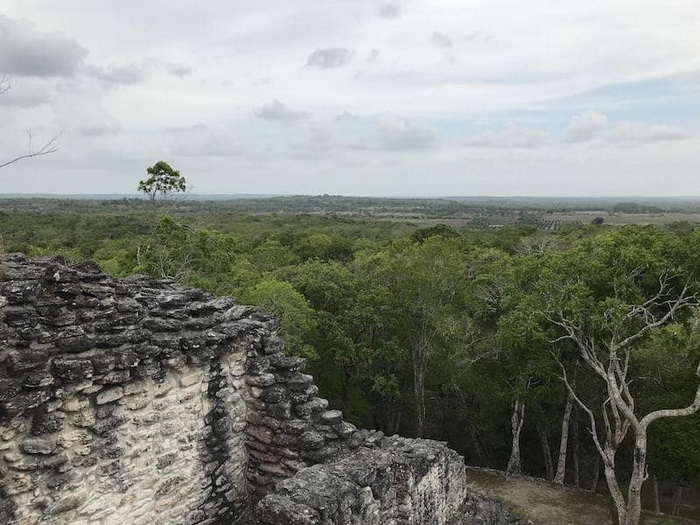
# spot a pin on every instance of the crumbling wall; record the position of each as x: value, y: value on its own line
x: 289, y: 426
x: 121, y: 401
x: 141, y: 401
x: 392, y: 480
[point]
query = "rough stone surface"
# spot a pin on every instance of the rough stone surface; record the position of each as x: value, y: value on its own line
x: 120, y: 400
x: 141, y: 401
x: 386, y: 481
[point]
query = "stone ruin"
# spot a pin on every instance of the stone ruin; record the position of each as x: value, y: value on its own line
x: 140, y: 401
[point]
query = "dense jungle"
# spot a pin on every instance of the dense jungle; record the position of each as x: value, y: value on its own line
x: 528, y: 348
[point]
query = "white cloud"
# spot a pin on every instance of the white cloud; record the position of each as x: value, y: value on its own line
x: 316, y: 140
x: 399, y: 133
x: 389, y: 10
x: 329, y: 58
x: 585, y: 126
x: 537, y: 67
x: 178, y: 70
x: 595, y: 128
x: 346, y: 116
x: 637, y: 133
x: 205, y: 141
x: 26, y: 94
x: 124, y: 75
x: 511, y: 136
x: 80, y: 110
x: 27, y: 51
x: 441, y: 39
x: 276, y: 110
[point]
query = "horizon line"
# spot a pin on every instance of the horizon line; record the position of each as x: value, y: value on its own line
x: 141, y: 197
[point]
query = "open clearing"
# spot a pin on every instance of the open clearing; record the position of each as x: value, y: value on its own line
x: 547, y: 504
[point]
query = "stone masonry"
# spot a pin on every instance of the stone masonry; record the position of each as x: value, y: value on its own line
x: 140, y: 401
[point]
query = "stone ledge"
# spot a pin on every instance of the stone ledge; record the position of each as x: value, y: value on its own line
x: 388, y: 480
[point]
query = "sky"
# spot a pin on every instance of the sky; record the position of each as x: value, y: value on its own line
x: 354, y: 97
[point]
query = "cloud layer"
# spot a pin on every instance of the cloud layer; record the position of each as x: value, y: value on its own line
x: 276, y: 110
x: 362, y: 97
x: 27, y: 51
x: 329, y: 58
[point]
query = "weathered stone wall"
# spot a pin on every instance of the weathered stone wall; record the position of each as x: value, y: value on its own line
x: 140, y: 401
x: 392, y: 480
x: 121, y: 401
x: 289, y: 426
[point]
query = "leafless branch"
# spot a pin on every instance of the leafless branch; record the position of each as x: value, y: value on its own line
x: 5, y: 84
x: 606, y: 419
x: 684, y: 300
x: 46, y: 149
x: 594, y: 430
x: 675, y: 412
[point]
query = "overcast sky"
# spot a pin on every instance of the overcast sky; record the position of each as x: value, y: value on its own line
x: 355, y: 97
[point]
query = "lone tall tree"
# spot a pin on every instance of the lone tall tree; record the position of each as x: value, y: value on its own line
x: 163, y: 180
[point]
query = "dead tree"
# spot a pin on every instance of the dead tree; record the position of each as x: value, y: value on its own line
x: 609, y: 359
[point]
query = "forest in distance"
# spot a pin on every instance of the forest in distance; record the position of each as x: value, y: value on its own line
x: 535, y: 336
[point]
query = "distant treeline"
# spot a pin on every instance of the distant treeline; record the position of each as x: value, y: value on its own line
x: 430, y: 208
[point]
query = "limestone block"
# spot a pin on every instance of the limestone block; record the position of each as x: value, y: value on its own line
x: 315, y: 405
x: 109, y: 395
x: 136, y: 387
x: 135, y: 402
x: 262, y: 434
x: 39, y: 445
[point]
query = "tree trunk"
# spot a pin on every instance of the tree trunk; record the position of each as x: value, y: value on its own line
x: 678, y: 501
x: 596, y: 475
x: 634, y: 493
x: 546, y: 453
x: 396, y: 421
x: 484, y: 460
x: 563, y: 443
x: 575, y: 447
x: 655, y: 495
x: 613, y: 486
x: 419, y: 392
x: 419, y: 354
x: 517, y: 419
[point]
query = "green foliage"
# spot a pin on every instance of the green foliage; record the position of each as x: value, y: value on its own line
x: 439, y: 230
x: 635, y: 207
x: 162, y: 180
x: 298, y: 318
x: 324, y: 247
x: 666, y: 362
x: 355, y: 295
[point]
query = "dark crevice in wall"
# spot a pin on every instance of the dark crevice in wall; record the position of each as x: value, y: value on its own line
x: 216, y: 451
x: 7, y: 506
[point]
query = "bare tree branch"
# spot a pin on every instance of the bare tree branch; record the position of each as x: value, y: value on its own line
x: 683, y: 300
x: 5, y: 84
x: 49, y: 147
x: 584, y: 407
x: 675, y: 412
